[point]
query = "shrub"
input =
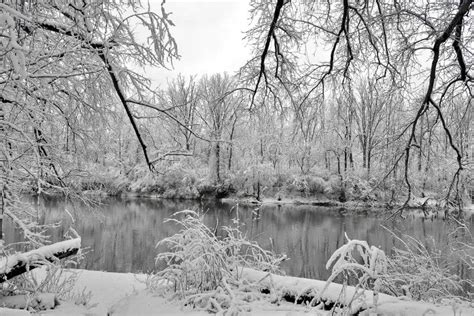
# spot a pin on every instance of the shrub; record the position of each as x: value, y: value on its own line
x: 356, y: 260
x: 307, y: 185
x: 413, y: 271
x: 422, y: 273
x: 204, y: 270
x: 316, y: 185
x: 334, y: 185
x: 205, y: 188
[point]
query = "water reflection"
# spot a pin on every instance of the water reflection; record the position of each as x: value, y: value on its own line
x: 122, y: 234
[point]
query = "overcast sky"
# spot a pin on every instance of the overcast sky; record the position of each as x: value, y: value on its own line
x: 209, y: 36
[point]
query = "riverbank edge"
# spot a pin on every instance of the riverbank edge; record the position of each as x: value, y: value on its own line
x: 421, y: 204
x: 425, y: 205
x: 251, y: 201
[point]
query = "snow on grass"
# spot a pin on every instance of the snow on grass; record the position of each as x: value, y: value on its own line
x: 13, y: 312
x: 105, y: 289
x: 125, y: 294
x: 201, y: 268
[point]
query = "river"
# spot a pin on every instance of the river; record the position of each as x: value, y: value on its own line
x: 120, y: 235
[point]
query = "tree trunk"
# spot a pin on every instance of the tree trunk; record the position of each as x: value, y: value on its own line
x: 327, y: 161
x: 231, y: 146
x: 351, y: 159
x: 349, y: 145
x: 258, y: 190
x: 420, y: 152
x: 218, y: 161
x: 345, y: 159
x: 364, y: 154
x: 338, y: 165
x: 369, y: 159
x: 229, y: 162
x: 428, y: 161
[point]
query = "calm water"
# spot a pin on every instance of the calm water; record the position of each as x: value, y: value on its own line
x: 121, y: 234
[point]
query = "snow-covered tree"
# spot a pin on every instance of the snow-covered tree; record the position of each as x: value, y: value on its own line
x: 64, y: 62
x: 306, y: 48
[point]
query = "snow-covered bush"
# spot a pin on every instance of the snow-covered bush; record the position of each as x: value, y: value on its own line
x: 414, y: 270
x: 359, y: 261
x: 334, y: 185
x: 179, y: 181
x: 204, y: 270
x: 54, y: 280
x: 307, y: 185
x: 316, y: 185
x: 140, y: 179
x: 425, y: 273
x: 358, y: 188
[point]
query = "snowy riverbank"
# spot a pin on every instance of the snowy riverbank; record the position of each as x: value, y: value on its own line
x: 126, y: 294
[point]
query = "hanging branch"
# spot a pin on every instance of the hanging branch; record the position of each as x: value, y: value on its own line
x: 166, y: 112
x: 343, y: 30
x: 454, y: 147
x: 457, y: 49
x: 271, y: 34
x: 123, y: 100
x: 83, y: 34
x: 456, y: 22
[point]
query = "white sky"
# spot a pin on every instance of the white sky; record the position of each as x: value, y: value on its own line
x: 209, y: 35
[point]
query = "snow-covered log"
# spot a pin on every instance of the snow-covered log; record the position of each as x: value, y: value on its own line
x: 386, y: 305
x: 19, y: 263
x: 308, y: 289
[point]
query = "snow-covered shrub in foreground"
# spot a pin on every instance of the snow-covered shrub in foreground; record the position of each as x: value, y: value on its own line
x: 413, y: 271
x: 358, y: 260
x: 52, y: 280
x: 425, y: 273
x: 204, y: 270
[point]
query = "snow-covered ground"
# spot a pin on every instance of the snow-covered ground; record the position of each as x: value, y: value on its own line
x: 126, y: 294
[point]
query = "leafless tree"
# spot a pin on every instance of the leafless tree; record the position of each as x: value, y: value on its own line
x: 219, y: 112
x: 396, y: 37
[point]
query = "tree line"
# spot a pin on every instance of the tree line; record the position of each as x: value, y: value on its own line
x: 373, y: 94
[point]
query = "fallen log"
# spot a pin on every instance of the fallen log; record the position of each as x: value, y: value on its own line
x: 303, y: 290
x: 19, y: 263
